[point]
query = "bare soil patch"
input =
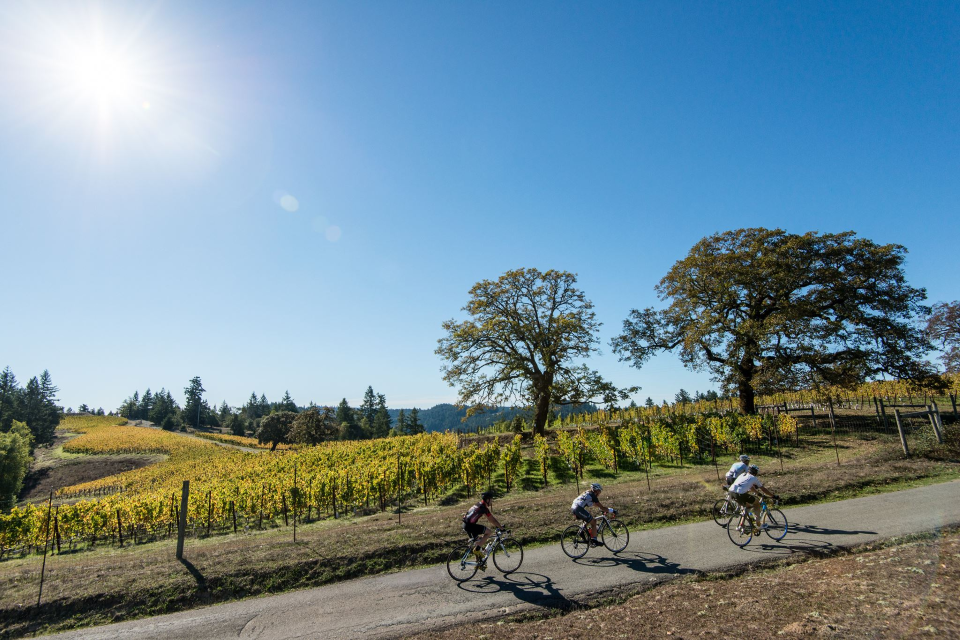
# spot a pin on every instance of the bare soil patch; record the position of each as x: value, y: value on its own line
x: 52, y: 469
x: 906, y: 590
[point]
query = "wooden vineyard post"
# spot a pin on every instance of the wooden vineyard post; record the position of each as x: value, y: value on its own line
x: 876, y: 407
x: 953, y: 401
x: 182, y: 520
x: 933, y: 423
x: 833, y: 429
x: 119, y: 528
x: 56, y: 527
x: 293, y: 499
x: 713, y: 454
x: 46, y: 536
x: 883, y: 413
x: 399, y: 504
x: 233, y: 512
x: 209, y: 510
x: 260, y: 523
x: 903, y: 436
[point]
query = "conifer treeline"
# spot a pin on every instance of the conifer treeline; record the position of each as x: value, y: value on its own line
x: 35, y: 405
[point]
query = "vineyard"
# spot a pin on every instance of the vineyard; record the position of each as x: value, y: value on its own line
x: 234, y: 490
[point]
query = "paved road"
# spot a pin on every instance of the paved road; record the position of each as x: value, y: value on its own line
x: 403, y: 603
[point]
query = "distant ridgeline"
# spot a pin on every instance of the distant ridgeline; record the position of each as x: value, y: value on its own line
x: 443, y: 417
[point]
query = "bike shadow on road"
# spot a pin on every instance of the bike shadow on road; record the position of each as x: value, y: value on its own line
x: 821, y: 531
x: 792, y: 547
x: 638, y: 561
x: 534, y: 588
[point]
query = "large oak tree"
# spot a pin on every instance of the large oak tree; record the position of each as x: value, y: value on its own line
x: 943, y: 327
x: 526, y: 333
x: 766, y: 310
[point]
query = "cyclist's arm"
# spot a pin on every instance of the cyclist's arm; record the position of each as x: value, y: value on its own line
x: 493, y: 520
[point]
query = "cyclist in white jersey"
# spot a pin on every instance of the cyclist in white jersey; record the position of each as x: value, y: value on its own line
x: 742, y: 491
x: 584, y: 501
x: 737, y: 470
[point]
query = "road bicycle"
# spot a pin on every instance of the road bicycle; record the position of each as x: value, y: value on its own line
x: 723, y: 510
x: 772, y: 522
x: 575, y: 539
x: 463, y: 562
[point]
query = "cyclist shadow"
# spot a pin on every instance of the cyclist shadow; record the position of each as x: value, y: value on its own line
x: 821, y: 531
x: 792, y: 547
x: 638, y: 561
x: 533, y: 588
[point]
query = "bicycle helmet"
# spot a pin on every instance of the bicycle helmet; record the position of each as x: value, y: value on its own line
x: 754, y: 470
x: 596, y: 487
x: 487, y: 496
x: 744, y: 458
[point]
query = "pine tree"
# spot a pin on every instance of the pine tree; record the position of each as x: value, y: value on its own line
x: 287, y: 403
x: 9, y: 399
x: 381, y: 419
x: 402, y: 428
x: 146, y: 405
x: 415, y: 427
x: 368, y: 408
x: 193, y: 407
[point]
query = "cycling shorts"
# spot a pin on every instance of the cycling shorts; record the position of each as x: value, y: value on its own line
x: 581, y: 514
x: 745, y: 499
x: 474, y: 530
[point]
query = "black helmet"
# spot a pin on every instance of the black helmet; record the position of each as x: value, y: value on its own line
x: 487, y: 496
x: 754, y: 470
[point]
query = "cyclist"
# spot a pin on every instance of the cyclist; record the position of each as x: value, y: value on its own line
x: 476, y: 531
x: 742, y: 490
x: 737, y: 470
x: 579, y: 507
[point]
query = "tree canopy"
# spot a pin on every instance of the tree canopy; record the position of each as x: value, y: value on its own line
x: 943, y: 327
x: 522, y: 343
x: 766, y: 310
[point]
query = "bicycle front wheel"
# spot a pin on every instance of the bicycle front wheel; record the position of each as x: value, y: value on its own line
x: 573, y: 542
x: 776, y: 525
x: 461, y: 563
x: 722, y: 511
x: 739, y: 537
x: 508, y: 556
x: 615, y: 536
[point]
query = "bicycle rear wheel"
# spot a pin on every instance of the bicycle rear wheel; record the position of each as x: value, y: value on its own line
x: 508, y: 556
x: 722, y: 511
x: 573, y: 542
x: 738, y: 537
x: 615, y: 536
x: 776, y: 525
x: 461, y: 564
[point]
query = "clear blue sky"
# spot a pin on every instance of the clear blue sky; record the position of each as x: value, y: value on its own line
x: 293, y: 196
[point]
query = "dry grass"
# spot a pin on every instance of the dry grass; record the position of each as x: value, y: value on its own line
x: 906, y: 590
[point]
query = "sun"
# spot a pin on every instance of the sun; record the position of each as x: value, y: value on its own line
x: 103, y: 77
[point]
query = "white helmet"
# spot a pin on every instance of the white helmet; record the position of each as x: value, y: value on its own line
x: 596, y: 487
x: 744, y: 458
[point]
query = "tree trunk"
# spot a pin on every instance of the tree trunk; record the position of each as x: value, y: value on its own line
x: 542, y: 413
x: 746, y: 393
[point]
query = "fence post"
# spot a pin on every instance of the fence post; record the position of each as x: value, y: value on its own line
x: 56, y: 527
x: 883, y: 412
x: 903, y: 436
x: 876, y: 408
x: 933, y: 422
x: 182, y: 524
x: 833, y: 430
x: 233, y: 511
x: 46, y: 535
x: 953, y: 401
x: 119, y: 528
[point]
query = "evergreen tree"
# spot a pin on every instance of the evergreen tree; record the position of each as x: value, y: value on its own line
x: 381, y: 419
x: 648, y: 402
x: 264, y: 406
x: 9, y: 399
x: 252, y: 409
x: 224, y: 412
x: 682, y: 397
x: 146, y: 405
x: 235, y: 423
x: 193, y: 407
x: 83, y: 408
x: 414, y: 427
x: 401, y: 428
x: 287, y: 403
x: 165, y: 410
x: 368, y: 408
x: 347, y: 419
x: 39, y: 410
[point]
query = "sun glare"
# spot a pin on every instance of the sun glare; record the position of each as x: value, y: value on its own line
x: 104, y: 77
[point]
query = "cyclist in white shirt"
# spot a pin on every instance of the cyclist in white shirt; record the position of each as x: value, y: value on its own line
x: 737, y: 470
x: 584, y: 501
x: 742, y: 491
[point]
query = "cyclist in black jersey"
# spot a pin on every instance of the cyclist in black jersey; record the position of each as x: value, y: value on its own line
x: 477, y: 532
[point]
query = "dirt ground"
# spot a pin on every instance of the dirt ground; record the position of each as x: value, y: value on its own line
x: 52, y: 469
x: 902, y: 591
